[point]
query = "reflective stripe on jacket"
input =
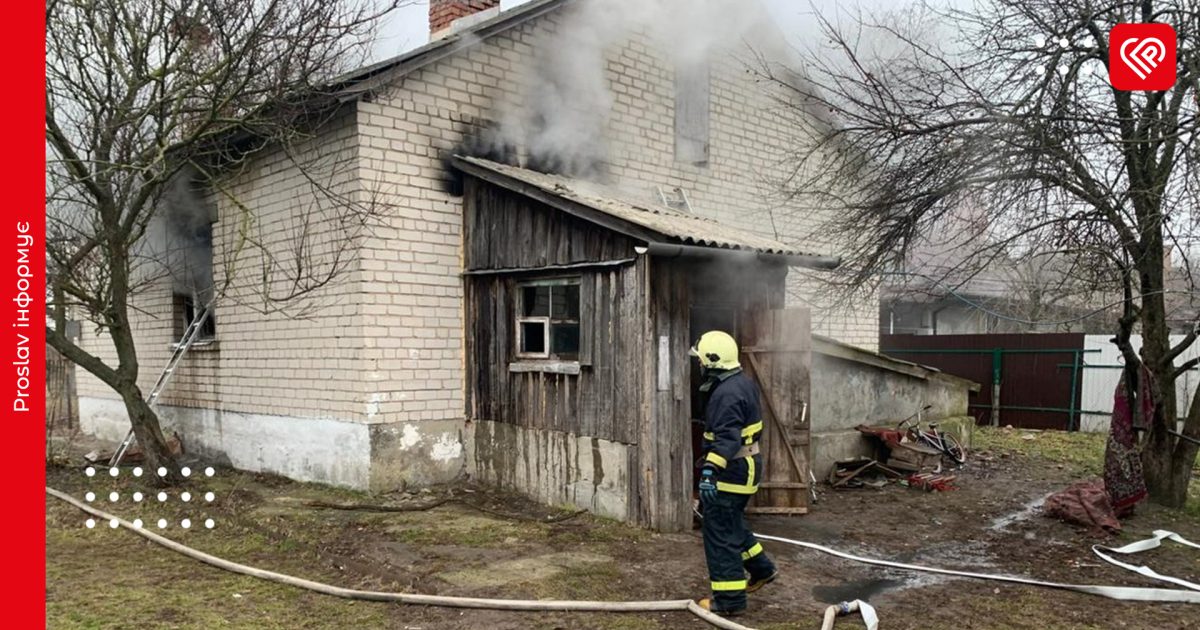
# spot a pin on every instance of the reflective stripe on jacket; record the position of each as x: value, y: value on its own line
x: 733, y: 419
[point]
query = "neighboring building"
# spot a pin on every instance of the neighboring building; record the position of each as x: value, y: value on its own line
x: 1039, y: 293
x: 1183, y: 296
x: 1009, y: 295
x: 382, y: 383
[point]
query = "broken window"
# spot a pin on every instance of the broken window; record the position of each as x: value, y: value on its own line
x: 185, y: 312
x: 691, y: 112
x: 548, y: 319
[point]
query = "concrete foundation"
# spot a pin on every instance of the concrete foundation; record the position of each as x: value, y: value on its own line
x: 553, y: 467
x: 417, y: 454
x: 381, y: 457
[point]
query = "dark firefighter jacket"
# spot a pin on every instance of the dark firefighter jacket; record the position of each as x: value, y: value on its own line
x: 732, y: 419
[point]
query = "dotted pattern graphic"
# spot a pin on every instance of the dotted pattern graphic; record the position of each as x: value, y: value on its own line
x: 202, y: 498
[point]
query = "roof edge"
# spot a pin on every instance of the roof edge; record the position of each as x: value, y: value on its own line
x: 655, y: 243
x: 841, y: 350
x: 355, y: 83
x: 569, y: 206
x: 673, y: 250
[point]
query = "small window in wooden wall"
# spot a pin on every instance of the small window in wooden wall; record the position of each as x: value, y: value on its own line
x: 548, y: 319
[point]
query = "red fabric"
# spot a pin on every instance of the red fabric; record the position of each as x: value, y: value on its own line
x: 1123, y: 477
x: 1085, y: 503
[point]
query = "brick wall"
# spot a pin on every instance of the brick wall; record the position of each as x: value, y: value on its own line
x: 443, y: 12
x: 385, y: 344
x: 299, y: 358
x: 412, y: 312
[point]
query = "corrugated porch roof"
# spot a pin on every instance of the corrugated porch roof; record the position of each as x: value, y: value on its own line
x: 660, y: 226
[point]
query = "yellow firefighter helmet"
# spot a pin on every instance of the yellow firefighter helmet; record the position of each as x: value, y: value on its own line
x: 716, y: 351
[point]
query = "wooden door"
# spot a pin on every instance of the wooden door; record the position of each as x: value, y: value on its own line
x: 777, y: 354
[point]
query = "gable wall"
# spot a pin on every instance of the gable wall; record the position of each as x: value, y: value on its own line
x: 386, y: 347
x: 299, y: 359
x: 411, y: 270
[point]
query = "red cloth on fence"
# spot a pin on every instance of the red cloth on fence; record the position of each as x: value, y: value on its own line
x: 1123, y: 478
x: 1085, y: 503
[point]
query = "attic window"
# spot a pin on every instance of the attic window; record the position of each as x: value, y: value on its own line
x: 692, y: 113
x: 548, y: 319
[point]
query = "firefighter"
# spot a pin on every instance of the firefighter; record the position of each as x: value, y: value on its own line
x: 731, y: 468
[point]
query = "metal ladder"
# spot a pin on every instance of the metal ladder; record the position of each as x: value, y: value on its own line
x: 189, y: 337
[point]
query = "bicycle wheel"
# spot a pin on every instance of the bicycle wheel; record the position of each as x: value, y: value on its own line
x: 953, y: 448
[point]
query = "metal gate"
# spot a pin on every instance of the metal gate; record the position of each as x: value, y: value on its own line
x: 1029, y: 380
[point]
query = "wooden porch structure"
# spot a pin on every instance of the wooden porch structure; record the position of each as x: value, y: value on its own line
x: 616, y: 367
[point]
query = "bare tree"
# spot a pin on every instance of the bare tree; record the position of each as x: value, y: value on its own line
x: 1053, y: 292
x: 1007, y: 107
x: 150, y: 99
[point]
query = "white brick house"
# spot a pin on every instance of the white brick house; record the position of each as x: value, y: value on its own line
x: 368, y: 391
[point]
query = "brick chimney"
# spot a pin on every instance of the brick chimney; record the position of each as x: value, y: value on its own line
x: 443, y: 13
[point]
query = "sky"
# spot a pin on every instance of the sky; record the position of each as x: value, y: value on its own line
x: 408, y: 27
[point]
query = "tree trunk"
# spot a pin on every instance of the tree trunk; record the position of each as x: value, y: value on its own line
x: 1157, y: 452
x: 142, y: 418
x: 1181, y: 459
x: 1157, y: 455
x: 149, y: 435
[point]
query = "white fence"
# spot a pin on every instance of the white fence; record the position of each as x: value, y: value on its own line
x: 1102, y: 363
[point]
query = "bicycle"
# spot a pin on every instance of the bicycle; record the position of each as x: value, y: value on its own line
x: 945, y: 443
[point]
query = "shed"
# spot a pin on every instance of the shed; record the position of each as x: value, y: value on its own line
x: 580, y: 309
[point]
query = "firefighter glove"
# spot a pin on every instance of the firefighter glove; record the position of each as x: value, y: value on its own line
x: 707, y: 485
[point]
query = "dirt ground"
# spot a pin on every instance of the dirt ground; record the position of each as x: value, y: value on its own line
x: 492, y: 545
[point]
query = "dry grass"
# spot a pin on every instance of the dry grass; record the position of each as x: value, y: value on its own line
x: 106, y: 578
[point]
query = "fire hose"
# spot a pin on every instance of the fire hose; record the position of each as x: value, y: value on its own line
x: 845, y: 608
x: 679, y: 605
x: 1125, y: 593
x: 1146, y: 545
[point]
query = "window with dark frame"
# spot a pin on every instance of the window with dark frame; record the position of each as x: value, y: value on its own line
x: 548, y: 319
x: 185, y: 311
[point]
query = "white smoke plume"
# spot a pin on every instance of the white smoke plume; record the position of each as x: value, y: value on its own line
x: 562, y: 120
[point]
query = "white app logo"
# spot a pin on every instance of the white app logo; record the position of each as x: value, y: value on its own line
x: 1145, y: 55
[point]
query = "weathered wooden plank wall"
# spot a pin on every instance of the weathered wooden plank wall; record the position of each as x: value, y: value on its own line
x: 504, y: 230
x: 603, y: 400
x: 670, y: 452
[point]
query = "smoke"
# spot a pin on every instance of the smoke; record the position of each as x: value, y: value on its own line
x: 563, y: 115
x: 180, y: 237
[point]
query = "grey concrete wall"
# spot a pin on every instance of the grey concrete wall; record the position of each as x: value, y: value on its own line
x: 377, y: 457
x: 553, y: 467
x: 324, y: 450
x: 419, y: 454
x: 848, y: 392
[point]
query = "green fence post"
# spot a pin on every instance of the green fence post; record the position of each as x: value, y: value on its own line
x: 1074, y: 385
x: 997, y: 360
